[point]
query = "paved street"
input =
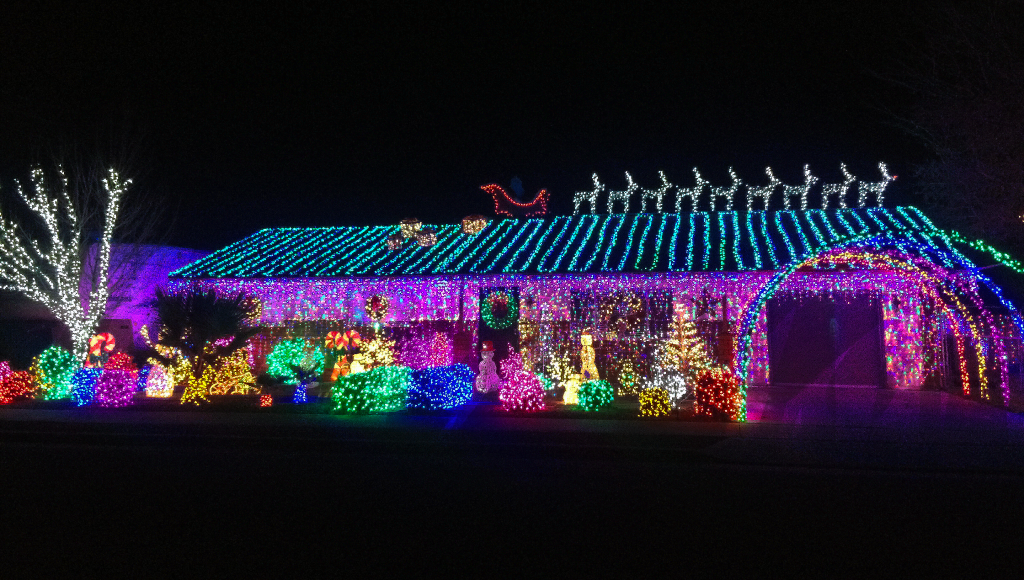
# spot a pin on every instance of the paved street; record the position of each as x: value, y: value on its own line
x: 481, y: 489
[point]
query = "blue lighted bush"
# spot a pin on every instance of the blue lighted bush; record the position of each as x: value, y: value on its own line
x: 376, y: 390
x: 83, y: 385
x: 441, y: 387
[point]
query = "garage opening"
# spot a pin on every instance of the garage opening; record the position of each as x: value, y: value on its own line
x: 822, y: 341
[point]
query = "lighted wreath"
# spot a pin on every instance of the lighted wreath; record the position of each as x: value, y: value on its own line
x: 377, y: 306
x: 499, y: 309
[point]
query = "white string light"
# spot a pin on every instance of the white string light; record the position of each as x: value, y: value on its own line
x: 658, y: 195
x: 801, y: 190
x: 726, y: 192
x: 876, y: 188
x: 51, y: 272
x: 691, y: 192
x: 837, y: 189
x: 588, y: 196
x: 623, y: 196
x: 765, y: 192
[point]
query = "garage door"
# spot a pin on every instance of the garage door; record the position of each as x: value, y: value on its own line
x: 820, y: 341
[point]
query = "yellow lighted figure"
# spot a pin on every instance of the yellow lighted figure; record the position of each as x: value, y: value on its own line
x: 341, y: 368
x: 358, y: 364
x: 588, y: 357
x: 232, y: 375
x: 627, y: 378
x: 409, y: 226
x: 379, y: 352
x: 161, y: 384
x: 572, y: 390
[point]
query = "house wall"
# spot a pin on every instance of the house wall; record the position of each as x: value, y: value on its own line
x: 548, y: 300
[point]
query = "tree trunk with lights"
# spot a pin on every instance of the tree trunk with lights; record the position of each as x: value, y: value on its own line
x: 45, y: 261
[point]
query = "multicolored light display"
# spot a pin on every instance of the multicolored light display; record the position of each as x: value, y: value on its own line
x: 737, y: 258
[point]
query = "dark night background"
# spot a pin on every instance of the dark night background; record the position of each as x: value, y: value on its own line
x: 241, y: 118
x: 302, y: 115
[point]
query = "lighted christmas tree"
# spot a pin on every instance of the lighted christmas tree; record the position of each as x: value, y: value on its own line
x: 691, y: 349
x: 521, y: 391
x: 163, y: 377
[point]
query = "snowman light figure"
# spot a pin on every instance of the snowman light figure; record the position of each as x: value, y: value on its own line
x: 488, y: 380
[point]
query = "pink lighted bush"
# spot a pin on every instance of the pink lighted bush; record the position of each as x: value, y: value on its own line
x: 522, y: 390
x: 114, y: 388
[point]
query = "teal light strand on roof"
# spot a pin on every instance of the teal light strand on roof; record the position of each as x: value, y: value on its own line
x: 667, y: 242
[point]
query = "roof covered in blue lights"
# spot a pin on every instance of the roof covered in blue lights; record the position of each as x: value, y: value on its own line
x: 589, y: 243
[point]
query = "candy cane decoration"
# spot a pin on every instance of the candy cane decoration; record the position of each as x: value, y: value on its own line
x: 333, y: 340
x: 350, y: 340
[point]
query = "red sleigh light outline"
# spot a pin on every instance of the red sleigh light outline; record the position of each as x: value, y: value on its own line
x: 537, y: 207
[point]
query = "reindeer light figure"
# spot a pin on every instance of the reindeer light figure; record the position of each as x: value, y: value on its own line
x: 588, y: 196
x: 765, y: 192
x: 801, y: 190
x: 726, y: 192
x: 623, y: 196
x: 875, y: 187
x: 691, y: 192
x: 837, y: 189
x: 657, y: 194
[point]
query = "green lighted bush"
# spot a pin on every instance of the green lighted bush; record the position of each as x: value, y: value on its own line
x: 596, y: 395
x: 377, y: 390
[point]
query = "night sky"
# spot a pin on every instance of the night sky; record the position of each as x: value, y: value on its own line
x: 310, y: 116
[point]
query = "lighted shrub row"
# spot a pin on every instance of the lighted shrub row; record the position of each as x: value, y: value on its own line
x: 55, y: 375
x: 394, y: 388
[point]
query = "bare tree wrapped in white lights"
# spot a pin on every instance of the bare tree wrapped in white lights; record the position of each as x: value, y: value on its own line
x: 45, y: 258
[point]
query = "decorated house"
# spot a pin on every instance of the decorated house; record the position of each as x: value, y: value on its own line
x: 865, y: 296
